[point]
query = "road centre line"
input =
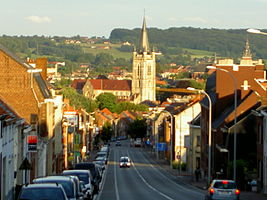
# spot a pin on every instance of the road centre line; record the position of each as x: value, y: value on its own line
x: 163, y: 175
x: 115, y: 179
x: 151, y: 187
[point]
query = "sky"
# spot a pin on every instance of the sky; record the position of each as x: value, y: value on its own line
x: 99, y: 17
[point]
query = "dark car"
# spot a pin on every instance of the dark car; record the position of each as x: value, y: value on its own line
x: 118, y: 143
x: 94, y: 172
x: 42, y: 191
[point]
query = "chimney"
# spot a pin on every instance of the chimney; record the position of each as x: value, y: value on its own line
x: 41, y: 63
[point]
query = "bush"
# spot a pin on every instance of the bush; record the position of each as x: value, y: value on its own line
x: 176, y: 165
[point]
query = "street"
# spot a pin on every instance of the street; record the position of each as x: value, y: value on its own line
x: 142, y: 180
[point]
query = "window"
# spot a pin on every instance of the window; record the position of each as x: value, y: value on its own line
x: 198, y: 141
x: 148, y: 70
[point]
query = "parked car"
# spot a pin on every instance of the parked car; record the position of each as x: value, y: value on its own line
x: 86, y: 177
x: 67, y: 183
x: 42, y: 191
x: 101, y: 164
x: 100, y: 170
x: 102, y: 154
x: 223, y: 189
x: 105, y: 149
x: 94, y: 172
x: 78, y: 185
x: 125, y: 162
x: 103, y: 159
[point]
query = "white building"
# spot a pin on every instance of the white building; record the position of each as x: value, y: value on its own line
x: 11, y: 151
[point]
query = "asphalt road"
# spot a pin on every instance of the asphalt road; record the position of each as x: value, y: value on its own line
x: 142, y: 181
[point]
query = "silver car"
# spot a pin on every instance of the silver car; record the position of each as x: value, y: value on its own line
x: 42, y: 191
x: 67, y: 183
x: 86, y: 177
x: 223, y: 190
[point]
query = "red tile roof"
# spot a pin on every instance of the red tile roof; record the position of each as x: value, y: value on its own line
x: 78, y: 84
x: 106, y: 84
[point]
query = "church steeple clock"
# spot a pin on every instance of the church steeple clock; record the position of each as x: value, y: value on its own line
x: 144, y: 70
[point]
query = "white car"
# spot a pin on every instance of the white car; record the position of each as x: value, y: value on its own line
x: 125, y: 162
x: 223, y: 189
x: 86, y: 177
x: 138, y: 142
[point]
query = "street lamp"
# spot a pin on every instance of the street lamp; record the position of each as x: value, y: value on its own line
x: 171, y: 142
x: 209, y: 131
x: 235, y: 105
x: 256, y: 31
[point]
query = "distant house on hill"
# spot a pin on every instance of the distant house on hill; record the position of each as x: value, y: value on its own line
x: 78, y: 84
x: 120, y: 88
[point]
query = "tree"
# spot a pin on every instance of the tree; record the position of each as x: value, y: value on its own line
x: 107, y: 100
x: 122, y: 106
x: 138, y: 128
x: 78, y: 100
x: 106, y: 132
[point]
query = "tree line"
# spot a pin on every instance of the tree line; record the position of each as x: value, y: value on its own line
x: 225, y: 42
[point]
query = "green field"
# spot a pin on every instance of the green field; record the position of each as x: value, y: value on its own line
x: 113, y: 50
x: 199, y: 53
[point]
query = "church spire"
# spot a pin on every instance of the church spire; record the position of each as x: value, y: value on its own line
x: 144, y: 45
x: 247, y: 52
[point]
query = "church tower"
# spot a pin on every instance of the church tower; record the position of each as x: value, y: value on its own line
x: 144, y: 70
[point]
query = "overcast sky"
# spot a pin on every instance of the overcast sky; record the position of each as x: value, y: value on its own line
x: 99, y: 17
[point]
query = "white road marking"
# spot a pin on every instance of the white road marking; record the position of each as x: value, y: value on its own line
x: 150, y: 186
x: 163, y: 175
x: 116, y: 183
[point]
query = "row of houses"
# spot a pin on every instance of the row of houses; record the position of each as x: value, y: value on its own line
x: 237, y: 93
x: 40, y: 134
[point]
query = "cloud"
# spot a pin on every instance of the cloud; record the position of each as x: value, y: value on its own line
x: 195, y: 19
x: 37, y: 19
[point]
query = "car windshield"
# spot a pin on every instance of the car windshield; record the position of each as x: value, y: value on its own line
x: 82, y: 177
x: 124, y: 159
x: 226, y: 185
x: 42, y: 193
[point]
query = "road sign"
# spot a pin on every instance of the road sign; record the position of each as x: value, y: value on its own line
x: 32, y: 143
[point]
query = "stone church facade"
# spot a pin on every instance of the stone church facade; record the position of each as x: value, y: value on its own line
x: 144, y: 70
x: 141, y: 88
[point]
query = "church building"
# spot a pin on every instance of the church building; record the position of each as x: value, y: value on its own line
x: 144, y: 70
x: 141, y: 88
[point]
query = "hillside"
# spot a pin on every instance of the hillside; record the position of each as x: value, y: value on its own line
x: 226, y: 43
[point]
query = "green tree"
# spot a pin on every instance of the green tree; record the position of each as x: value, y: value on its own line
x: 79, y: 101
x: 107, y: 100
x: 138, y: 128
x: 106, y: 132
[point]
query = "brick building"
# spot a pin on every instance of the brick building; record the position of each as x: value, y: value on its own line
x: 220, y: 87
x: 24, y: 88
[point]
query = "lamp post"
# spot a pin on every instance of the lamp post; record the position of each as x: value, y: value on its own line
x: 255, y: 31
x: 209, y: 131
x: 171, y: 135
x: 235, y: 105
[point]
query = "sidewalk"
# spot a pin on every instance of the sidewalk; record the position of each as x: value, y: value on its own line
x: 190, y: 179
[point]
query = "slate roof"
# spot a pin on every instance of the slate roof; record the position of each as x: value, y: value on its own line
x: 106, y: 84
